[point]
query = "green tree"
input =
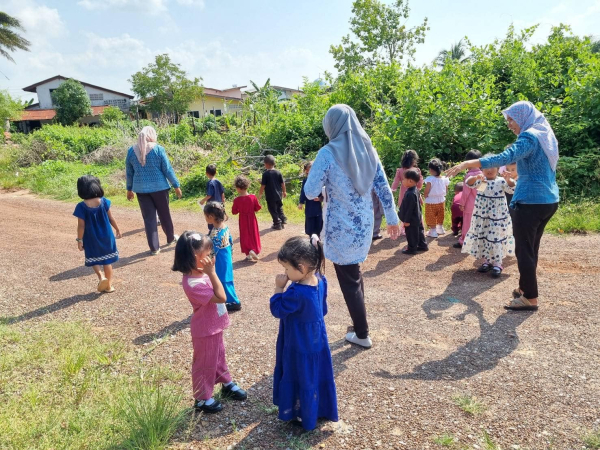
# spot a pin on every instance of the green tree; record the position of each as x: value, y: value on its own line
x: 457, y: 52
x: 262, y: 102
x: 165, y: 88
x: 112, y: 114
x: 71, y: 101
x: 9, y: 39
x: 382, y: 35
x: 10, y: 109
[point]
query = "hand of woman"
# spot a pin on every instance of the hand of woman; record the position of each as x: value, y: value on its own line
x: 453, y: 171
x: 80, y: 245
x: 130, y: 195
x: 393, y: 231
x: 178, y: 192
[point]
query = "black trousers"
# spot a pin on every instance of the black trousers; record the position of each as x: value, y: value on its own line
x: 415, y: 236
x: 313, y: 225
x: 529, y: 222
x: 276, y: 211
x: 353, y: 289
x: 151, y: 204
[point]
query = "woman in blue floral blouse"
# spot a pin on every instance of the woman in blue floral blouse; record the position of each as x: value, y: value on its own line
x: 349, y: 169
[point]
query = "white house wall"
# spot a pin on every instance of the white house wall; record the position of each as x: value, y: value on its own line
x: 108, y: 98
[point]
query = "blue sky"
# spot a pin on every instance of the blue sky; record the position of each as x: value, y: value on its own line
x: 231, y: 42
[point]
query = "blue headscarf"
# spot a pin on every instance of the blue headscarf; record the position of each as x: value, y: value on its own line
x: 531, y: 120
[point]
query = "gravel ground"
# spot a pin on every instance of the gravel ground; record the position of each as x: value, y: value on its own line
x: 438, y: 328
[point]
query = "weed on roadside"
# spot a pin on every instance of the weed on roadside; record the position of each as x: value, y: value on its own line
x: 445, y: 440
x: 468, y: 404
x: 592, y: 441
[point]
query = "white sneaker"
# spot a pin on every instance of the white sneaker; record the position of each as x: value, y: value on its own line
x: 252, y: 254
x: 365, y: 343
x: 156, y: 252
x: 432, y: 233
x: 440, y: 229
x: 249, y: 258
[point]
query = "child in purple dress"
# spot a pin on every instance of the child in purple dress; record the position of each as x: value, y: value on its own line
x: 303, y: 383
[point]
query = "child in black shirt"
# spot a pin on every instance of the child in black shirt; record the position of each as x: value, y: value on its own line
x: 273, y: 186
x: 410, y: 214
x: 313, y: 222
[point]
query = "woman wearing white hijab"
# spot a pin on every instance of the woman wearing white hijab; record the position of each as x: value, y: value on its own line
x: 149, y: 173
x: 536, y: 196
x: 349, y: 169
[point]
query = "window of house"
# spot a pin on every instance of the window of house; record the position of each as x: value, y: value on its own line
x: 218, y: 112
x: 96, y: 97
x: 195, y: 114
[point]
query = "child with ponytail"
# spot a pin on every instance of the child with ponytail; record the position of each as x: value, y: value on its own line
x: 303, y: 383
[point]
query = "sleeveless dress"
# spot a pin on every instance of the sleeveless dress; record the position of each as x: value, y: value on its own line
x: 98, y: 238
x: 303, y: 382
x: 222, y: 248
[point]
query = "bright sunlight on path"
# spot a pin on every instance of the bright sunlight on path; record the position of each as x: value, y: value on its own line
x: 449, y: 367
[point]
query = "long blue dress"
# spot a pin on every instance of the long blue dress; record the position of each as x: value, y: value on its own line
x: 222, y: 246
x: 98, y: 238
x: 303, y: 383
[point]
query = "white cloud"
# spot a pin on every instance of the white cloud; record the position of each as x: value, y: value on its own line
x: 149, y: 6
x: 40, y: 22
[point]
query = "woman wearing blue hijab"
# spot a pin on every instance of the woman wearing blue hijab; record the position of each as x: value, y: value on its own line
x: 536, y: 196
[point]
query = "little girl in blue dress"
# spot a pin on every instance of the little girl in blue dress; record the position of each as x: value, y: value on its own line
x: 215, y: 215
x: 94, y: 233
x: 303, y: 383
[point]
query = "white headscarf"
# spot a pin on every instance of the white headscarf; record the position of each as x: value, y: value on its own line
x: 531, y: 120
x: 351, y: 146
x: 145, y: 143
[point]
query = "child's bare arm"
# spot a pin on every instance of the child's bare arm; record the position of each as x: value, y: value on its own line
x: 283, y: 190
x: 208, y: 267
x: 261, y: 191
x: 427, y: 189
x: 80, y: 231
x: 113, y: 222
x: 223, y: 197
x: 204, y: 200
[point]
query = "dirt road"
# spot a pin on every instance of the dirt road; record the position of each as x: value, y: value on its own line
x: 438, y: 328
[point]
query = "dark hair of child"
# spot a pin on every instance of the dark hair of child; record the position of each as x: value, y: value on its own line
x: 211, y: 169
x: 412, y: 174
x: 186, y: 248
x: 458, y: 187
x: 217, y: 210
x: 241, y: 182
x: 299, y: 250
x: 269, y: 160
x: 409, y: 160
x: 437, y: 166
x: 308, y: 165
x: 473, y: 154
x: 88, y: 187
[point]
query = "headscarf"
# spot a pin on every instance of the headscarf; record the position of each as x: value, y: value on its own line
x: 145, y: 143
x: 351, y: 146
x: 531, y: 120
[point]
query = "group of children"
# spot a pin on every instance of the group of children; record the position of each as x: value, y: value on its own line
x: 480, y: 212
x: 303, y: 385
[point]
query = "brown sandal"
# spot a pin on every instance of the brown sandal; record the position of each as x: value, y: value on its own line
x: 520, y: 304
x: 517, y: 293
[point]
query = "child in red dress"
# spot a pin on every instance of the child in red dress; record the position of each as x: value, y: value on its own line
x: 246, y: 206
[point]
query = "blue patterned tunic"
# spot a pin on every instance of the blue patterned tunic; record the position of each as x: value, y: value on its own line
x: 348, y: 216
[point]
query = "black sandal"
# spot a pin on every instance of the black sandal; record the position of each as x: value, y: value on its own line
x: 496, y: 272
x: 484, y: 268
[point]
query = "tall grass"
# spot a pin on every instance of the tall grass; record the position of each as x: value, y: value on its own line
x: 62, y: 387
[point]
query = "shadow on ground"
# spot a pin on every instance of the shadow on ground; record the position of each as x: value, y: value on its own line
x: 61, y: 304
x: 495, y: 341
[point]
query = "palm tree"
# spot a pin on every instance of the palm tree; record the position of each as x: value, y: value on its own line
x: 457, y: 52
x: 9, y: 40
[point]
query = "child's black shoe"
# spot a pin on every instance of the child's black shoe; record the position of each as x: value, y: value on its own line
x: 484, y: 268
x: 233, y: 306
x: 457, y: 245
x: 496, y: 272
x: 422, y: 249
x: 277, y: 226
x: 408, y: 251
x: 213, y: 408
x: 227, y: 392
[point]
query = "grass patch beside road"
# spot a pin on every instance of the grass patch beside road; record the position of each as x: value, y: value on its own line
x: 63, y: 387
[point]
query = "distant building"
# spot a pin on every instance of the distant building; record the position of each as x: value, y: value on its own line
x: 217, y: 102
x: 44, y: 111
x: 284, y: 93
